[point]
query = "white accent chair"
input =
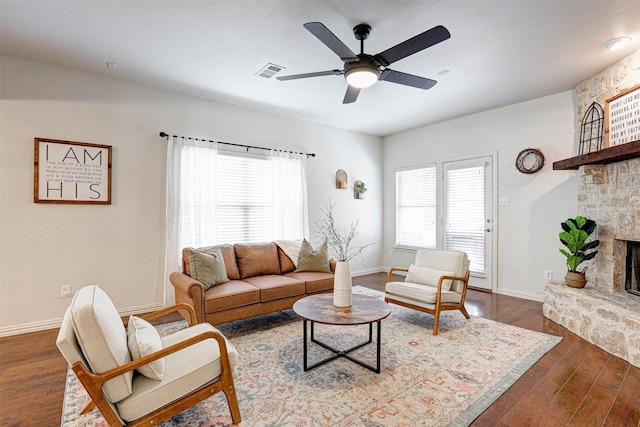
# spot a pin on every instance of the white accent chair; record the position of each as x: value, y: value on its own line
x: 195, y: 362
x: 437, y: 282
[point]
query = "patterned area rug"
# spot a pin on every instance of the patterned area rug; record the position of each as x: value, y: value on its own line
x: 425, y: 380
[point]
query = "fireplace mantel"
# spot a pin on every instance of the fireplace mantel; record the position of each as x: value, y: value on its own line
x: 618, y: 153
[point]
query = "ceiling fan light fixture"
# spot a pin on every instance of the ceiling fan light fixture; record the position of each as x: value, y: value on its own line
x: 362, y: 77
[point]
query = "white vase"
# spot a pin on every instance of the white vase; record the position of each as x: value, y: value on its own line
x: 342, y: 285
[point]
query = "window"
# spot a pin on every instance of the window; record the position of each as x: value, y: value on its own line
x: 244, y: 199
x: 416, y: 207
x: 217, y: 196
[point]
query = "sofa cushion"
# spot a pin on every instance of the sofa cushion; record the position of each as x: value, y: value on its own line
x: 208, y: 268
x: 258, y: 259
x: 313, y: 260
x: 185, y: 371
x: 102, y: 337
x: 234, y: 293
x: 228, y: 254
x: 275, y: 287
x: 428, y: 276
x: 286, y: 264
x: 314, y: 281
x: 143, y: 339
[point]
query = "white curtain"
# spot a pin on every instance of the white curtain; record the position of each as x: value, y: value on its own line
x: 190, y: 204
x: 290, y: 210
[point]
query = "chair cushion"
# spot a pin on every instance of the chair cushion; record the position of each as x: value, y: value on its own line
x: 185, y: 371
x: 428, y: 276
x: 102, y: 337
x: 143, y: 339
x: 421, y: 293
x: 208, y: 268
x: 310, y: 260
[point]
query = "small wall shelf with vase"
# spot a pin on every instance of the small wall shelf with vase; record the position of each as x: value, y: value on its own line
x: 341, y: 179
x: 359, y: 188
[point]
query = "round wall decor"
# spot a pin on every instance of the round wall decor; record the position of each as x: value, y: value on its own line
x: 530, y: 160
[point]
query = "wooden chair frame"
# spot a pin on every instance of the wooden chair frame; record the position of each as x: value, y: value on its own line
x: 439, y: 305
x: 93, y: 382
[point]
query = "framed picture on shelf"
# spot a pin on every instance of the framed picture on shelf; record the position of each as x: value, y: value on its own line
x: 623, y: 117
x: 71, y: 172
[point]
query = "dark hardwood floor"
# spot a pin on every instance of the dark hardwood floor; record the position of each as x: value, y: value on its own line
x: 575, y: 384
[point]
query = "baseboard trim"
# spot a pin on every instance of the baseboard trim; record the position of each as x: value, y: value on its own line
x: 44, y: 325
x: 366, y: 271
x: 520, y: 294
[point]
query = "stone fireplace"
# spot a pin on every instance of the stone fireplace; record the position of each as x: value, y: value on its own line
x: 604, y: 313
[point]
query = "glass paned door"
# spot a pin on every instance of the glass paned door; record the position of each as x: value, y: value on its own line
x: 467, y: 214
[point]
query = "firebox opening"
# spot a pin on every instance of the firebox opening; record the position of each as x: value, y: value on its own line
x: 632, y: 275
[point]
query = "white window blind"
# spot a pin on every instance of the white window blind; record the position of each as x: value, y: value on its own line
x: 244, y: 199
x: 464, y: 210
x: 416, y: 207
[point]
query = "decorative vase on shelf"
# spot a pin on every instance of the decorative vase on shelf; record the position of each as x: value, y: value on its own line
x: 342, y: 287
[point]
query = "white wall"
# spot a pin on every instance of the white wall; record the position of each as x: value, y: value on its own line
x: 528, y: 227
x: 121, y: 246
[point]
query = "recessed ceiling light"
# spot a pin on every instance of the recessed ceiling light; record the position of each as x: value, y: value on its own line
x: 443, y: 72
x: 616, y: 43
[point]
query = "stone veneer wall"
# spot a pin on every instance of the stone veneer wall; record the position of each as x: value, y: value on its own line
x: 609, y: 194
x: 602, y: 312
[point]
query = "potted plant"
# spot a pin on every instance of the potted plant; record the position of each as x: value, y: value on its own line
x: 361, y: 188
x: 574, y: 236
x: 341, y: 246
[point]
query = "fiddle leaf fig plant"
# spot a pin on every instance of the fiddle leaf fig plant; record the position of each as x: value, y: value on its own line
x: 574, y: 236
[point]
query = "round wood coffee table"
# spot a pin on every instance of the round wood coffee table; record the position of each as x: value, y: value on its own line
x: 320, y: 309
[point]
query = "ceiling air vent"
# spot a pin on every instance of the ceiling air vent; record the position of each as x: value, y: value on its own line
x: 269, y: 70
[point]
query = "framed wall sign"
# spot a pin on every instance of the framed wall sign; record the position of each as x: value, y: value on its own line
x: 71, y: 172
x: 623, y: 117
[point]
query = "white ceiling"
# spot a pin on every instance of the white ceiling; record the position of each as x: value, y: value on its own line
x: 499, y: 53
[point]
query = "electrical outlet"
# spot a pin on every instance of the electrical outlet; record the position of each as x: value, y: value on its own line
x: 390, y: 253
x: 503, y: 201
x: 548, y: 275
x: 65, y: 291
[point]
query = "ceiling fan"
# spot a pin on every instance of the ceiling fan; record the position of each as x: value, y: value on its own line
x: 363, y: 70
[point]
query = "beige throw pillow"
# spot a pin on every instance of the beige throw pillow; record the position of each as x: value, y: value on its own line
x: 143, y: 339
x: 209, y: 268
x: 428, y: 276
x: 310, y: 260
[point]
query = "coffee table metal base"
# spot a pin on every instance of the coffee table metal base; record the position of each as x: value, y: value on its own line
x: 341, y: 353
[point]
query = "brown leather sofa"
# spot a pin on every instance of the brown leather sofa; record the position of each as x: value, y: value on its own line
x: 261, y: 280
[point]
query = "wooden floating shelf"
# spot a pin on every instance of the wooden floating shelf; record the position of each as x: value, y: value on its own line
x: 621, y: 152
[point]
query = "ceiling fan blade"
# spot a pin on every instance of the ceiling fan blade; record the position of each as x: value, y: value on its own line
x: 331, y: 41
x: 413, y: 45
x: 407, y: 79
x: 316, y: 74
x: 351, y: 95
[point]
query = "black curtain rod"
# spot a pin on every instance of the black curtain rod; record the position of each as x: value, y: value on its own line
x: 166, y: 135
